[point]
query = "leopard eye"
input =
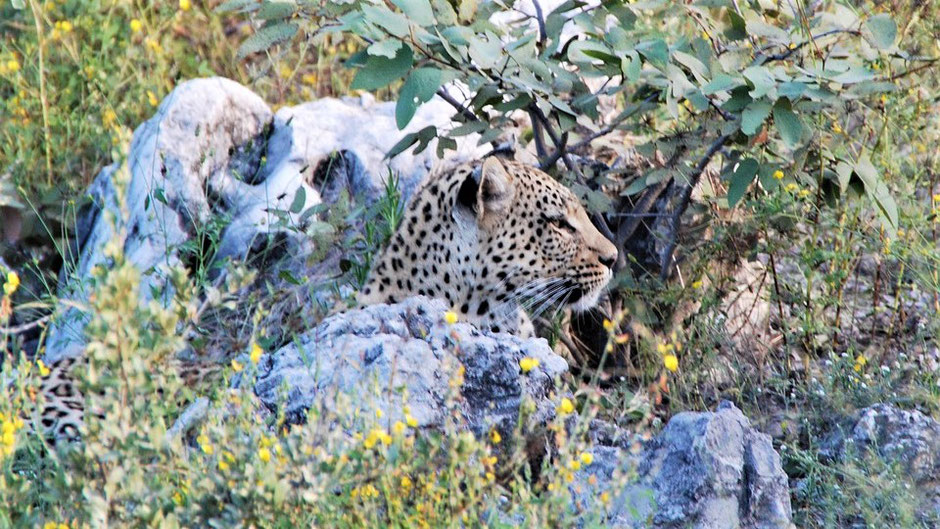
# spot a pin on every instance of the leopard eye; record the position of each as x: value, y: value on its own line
x: 562, y: 223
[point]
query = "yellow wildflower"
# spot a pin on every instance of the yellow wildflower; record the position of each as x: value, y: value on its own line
x: 13, y: 66
x: 223, y: 466
x: 778, y: 174
x: 566, y: 406
x: 136, y: 26
x: 574, y: 465
x: 256, y: 353
x: 671, y: 362
x: 587, y: 458
x: 803, y: 193
x: 264, y: 454
x: 697, y: 284
x: 528, y: 364
x: 152, y: 98
x: 608, y: 325
x: 309, y: 78
x: 836, y: 128
x: 406, y: 482
x: 204, y: 444
x: 43, y: 370
x: 411, y: 421
x: 791, y: 187
x: 12, y: 283
x: 936, y: 197
x: 450, y: 317
x: 398, y: 428
x: 237, y: 366
x: 185, y: 5
x: 495, y: 437
x: 378, y: 413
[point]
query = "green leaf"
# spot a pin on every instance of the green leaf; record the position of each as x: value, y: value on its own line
x: 445, y: 12
x: 418, y: 88
x: 266, y: 37
x: 419, y: 11
x: 422, y: 138
x: 655, y: 51
x: 876, y: 189
x: 739, y: 100
x: 378, y: 72
x: 753, y: 116
x: 741, y: 179
x: 738, y: 29
x: 276, y: 10
x: 394, y: 23
x: 485, y: 52
x: 761, y: 79
x: 385, y: 48
x: 883, y: 30
x: 791, y: 90
x: 226, y: 7
x: 720, y: 83
x: 300, y: 198
x: 467, y: 128
x: 788, y: 123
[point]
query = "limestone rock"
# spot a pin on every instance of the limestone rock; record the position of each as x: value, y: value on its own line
x: 406, y: 346
x: 705, y: 471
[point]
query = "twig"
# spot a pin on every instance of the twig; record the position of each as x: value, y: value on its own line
x: 786, y: 54
x: 539, y: 139
x: 464, y: 111
x: 543, y: 35
x: 905, y: 73
x: 684, y: 203
x: 26, y: 326
x: 614, y: 124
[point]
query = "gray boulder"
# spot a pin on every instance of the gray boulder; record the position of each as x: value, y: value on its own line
x: 377, y: 354
x: 905, y: 437
x: 705, y: 471
x: 215, y: 154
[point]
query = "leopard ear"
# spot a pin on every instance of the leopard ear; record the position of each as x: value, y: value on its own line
x: 496, y: 189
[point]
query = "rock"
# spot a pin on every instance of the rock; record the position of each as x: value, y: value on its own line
x: 407, y: 346
x: 705, y: 470
x: 215, y: 157
x: 173, y: 156
x: 909, y: 438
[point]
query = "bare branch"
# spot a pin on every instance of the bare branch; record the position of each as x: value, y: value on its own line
x: 464, y: 111
x: 683, y: 204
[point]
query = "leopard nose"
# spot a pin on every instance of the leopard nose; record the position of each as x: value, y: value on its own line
x: 609, y: 259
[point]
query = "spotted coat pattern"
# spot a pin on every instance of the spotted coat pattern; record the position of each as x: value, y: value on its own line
x: 493, y: 238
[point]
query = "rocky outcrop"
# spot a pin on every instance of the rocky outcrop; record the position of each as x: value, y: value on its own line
x: 905, y: 437
x: 214, y: 153
x: 387, y: 357
x: 705, y: 470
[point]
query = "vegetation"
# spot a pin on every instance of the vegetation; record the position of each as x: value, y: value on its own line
x: 781, y: 227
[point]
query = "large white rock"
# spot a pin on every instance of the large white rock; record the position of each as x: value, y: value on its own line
x: 214, y: 149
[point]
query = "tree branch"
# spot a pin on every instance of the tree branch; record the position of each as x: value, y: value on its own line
x: 462, y: 110
x: 683, y: 204
x: 614, y: 124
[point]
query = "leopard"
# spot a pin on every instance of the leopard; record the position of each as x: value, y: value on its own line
x: 496, y: 239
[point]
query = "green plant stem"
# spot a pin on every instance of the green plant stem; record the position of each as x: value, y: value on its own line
x: 44, y: 101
